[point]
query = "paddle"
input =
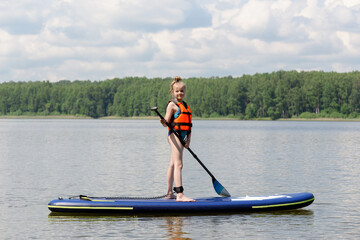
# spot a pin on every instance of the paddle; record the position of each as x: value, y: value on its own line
x: 219, y: 189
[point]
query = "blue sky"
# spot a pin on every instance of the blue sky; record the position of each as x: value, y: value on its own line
x: 97, y: 39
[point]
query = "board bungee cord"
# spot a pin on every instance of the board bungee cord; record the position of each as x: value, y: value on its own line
x: 89, y: 198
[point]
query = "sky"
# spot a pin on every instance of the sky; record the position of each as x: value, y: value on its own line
x: 102, y: 39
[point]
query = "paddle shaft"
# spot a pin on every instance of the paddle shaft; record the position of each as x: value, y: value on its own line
x: 183, y: 143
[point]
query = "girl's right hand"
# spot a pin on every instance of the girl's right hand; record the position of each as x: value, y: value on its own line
x: 163, y: 122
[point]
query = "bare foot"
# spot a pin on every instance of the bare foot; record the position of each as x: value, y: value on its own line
x: 182, y: 198
x: 170, y: 196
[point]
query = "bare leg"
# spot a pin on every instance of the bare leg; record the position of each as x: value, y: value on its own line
x: 170, y: 181
x: 175, y: 168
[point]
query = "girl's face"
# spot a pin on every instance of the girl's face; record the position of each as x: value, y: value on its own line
x: 179, y: 91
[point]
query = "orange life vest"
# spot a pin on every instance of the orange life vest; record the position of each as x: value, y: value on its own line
x: 183, y: 121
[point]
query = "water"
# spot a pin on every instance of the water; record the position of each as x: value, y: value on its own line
x: 42, y: 159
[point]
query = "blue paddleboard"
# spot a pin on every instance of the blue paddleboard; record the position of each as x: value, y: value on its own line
x: 103, y: 205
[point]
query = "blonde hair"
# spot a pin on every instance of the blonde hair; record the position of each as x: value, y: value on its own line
x: 177, y: 79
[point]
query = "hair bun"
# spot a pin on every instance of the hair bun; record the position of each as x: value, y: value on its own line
x: 176, y: 80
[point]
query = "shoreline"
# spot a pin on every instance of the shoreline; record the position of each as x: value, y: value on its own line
x: 155, y: 118
x: 43, y: 117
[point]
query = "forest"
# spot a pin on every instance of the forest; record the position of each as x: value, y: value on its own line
x: 281, y: 94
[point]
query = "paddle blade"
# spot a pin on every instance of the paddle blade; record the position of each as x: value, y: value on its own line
x: 219, y: 189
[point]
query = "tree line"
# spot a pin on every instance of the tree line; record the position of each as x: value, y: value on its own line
x: 281, y: 94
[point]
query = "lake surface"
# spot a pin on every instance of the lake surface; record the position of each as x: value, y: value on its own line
x: 43, y: 159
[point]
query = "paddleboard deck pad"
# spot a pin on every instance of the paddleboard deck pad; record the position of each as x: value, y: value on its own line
x: 103, y: 205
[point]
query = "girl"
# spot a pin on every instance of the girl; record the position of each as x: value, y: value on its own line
x: 178, y: 114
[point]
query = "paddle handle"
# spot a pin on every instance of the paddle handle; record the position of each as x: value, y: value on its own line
x: 155, y: 109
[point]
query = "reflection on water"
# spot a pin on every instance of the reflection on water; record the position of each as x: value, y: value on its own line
x: 174, y: 228
x: 180, y: 227
x: 171, y: 226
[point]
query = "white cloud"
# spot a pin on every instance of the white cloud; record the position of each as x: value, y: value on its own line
x: 346, y: 3
x: 281, y: 5
x: 93, y: 39
x: 253, y: 17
